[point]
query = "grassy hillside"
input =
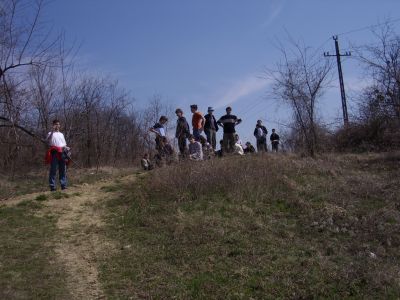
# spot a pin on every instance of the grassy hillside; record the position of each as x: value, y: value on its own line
x: 258, y: 227
x: 254, y: 227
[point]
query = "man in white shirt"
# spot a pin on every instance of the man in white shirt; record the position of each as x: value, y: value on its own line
x: 56, y: 156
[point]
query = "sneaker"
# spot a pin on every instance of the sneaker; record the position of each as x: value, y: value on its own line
x: 52, y: 189
x: 63, y: 188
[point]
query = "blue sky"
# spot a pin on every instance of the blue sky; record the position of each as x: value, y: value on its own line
x: 213, y: 52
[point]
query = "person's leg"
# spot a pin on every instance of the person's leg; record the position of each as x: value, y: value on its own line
x: 231, y: 142
x: 213, y: 139
x: 196, y: 134
x: 265, y: 145
x: 208, y: 135
x: 53, y: 171
x: 182, y: 145
x: 260, y: 147
x: 225, y: 142
x: 62, y: 172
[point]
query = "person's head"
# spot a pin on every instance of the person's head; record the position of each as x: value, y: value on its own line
x: 193, y: 108
x: 163, y: 120
x: 236, y: 137
x: 228, y: 110
x: 56, y: 124
x: 210, y: 110
x: 146, y: 155
x: 191, y: 139
x: 179, y: 112
x: 248, y: 144
x: 259, y: 122
x: 273, y: 130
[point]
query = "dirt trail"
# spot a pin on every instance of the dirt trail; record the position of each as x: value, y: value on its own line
x: 81, y: 243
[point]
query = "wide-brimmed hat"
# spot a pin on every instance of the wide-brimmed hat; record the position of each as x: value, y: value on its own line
x: 210, y: 108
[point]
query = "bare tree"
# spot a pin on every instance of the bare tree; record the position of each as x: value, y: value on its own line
x: 382, y: 63
x: 299, y: 79
x: 151, y: 114
x: 38, y: 82
x: 23, y: 38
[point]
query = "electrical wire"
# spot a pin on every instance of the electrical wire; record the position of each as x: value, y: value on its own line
x: 369, y: 27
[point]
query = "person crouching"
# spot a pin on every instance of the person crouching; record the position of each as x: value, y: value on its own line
x: 195, y: 149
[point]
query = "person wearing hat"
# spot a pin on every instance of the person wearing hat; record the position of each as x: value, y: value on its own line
x: 211, y: 127
x: 228, y: 123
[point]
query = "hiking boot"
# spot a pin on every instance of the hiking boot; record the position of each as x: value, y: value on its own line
x: 52, y: 189
x: 63, y: 188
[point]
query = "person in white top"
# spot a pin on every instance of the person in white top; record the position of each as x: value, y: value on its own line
x: 56, y: 156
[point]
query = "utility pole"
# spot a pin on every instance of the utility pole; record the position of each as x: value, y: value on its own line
x: 339, y: 65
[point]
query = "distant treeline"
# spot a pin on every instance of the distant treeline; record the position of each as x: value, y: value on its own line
x: 40, y: 80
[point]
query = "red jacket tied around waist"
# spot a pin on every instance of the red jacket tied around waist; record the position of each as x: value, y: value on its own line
x: 59, y: 151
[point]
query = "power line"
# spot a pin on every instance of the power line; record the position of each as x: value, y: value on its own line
x: 369, y: 27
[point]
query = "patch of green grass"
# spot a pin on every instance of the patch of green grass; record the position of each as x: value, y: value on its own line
x: 28, y: 266
x: 59, y: 195
x: 111, y: 188
x: 301, y: 237
x: 41, y: 197
x: 28, y: 204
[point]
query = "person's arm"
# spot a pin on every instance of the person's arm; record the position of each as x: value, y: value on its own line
x: 264, y: 129
x: 219, y: 122
x: 203, y: 122
x: 238, y: 121
x: 215, y: 124
x: 49, y: 136
x: 154, y: 131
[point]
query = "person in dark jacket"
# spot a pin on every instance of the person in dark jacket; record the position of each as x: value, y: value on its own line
x: 260, y: 132
x: 182, y: 131
x: 228, y: 123
x: 211, y: 128
x: 249, y: 148
x: 274, y: 138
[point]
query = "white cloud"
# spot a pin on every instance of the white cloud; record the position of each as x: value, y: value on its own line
x: 275, y: 9
x: 242, y: 88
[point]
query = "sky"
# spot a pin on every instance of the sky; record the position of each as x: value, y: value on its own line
x: 215, y: 52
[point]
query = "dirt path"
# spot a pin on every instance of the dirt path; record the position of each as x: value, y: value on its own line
x: 81, y: 242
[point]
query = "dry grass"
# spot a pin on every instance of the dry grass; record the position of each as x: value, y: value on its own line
x: 260, y: 227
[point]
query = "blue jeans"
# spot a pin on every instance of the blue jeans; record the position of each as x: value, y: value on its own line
x: 197, y: 134
x: 62, y: 171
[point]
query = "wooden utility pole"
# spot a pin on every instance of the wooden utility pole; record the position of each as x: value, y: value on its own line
x: 339, y: 64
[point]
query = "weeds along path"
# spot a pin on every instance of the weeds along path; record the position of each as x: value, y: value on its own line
x: 81, y: 243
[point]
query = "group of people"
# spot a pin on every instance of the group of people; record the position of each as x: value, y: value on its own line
x: 201, y: 147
